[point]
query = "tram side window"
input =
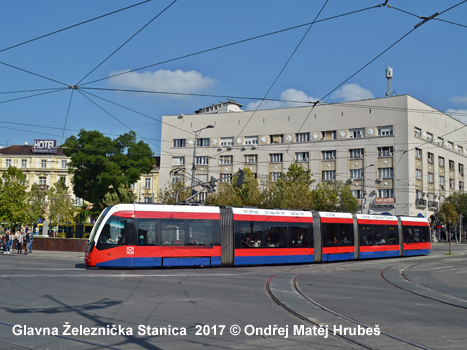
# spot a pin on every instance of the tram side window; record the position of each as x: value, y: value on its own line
x: 330, y: 234
x: 147, y: 232
x: 203, y: 232
x: 173, y: 232
x: 248, y: 234
x: 275, y: 235
x: 300, y: 235
x: 345, y: 235
x: 118, y: 231
x: 392, y: 234
x: 416, y: 234
x: 366, y: 233
x: 379, y: 234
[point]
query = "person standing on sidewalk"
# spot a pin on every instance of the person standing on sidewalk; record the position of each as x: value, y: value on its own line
x: 31, y: 237
x: 26, y: 240
x: 6, y: 243
x: 19, y: 242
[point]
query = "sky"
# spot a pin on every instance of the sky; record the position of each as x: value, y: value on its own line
x: 116, y: 66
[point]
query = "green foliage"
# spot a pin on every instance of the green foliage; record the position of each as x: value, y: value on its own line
x: 13, y: 197
x: 168, y: 195
x: 447, y: 213
x: 293, y: 188
x: 98, y: 162
x: 123, y: 194
x: 61, y: 205
x: 334, y: 197
x: 37, y: 199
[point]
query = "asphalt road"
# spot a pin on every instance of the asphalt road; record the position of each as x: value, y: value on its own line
x: 417, y: 302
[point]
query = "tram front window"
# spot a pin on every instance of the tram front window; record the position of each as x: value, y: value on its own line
x: 117, y: 231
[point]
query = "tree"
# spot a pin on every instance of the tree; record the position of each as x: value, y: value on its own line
x: 293, y: 188
x: 37, y: 199
x: 98, y: 162
x: 168, y: 195
x: 61, y: 205
x: 448, y: 215
x: 123, y: 194
x: 335, y: 197
x: 13, y: 197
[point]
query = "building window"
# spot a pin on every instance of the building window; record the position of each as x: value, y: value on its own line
x: 356, y: 153
x: 328, y: 175
x: 461, y: 186
x: 441, y: 182
x: 460, y: 149
x: 418, y: 174
x: 355, y: 193
x: 386, y: 172
x: 179, y: 143
x: 451, y: 165
x: 385, y: 130
x: 441, y: 162
x: 24, y: 163
x: 225, y: 160
x: 354, y: 133
x: 202, y: 160
x: 450, y: 144
x: 147, y: 182
x: 461, y: 169
x: 147, y: 199
x: 7, y: 163
x: 431, y: 157
x: 275, y: 158
x: 42, y: 180
x: 385, y: 151
x: 225, y: 177
x: 178, y: 178
x: 440, y: 141
x: 418, y: 133
x: 418, y: 153
x: 43, y: 163
x: 429, y: 137
x: 302, y: 137
x: 203, y: 142
x: 451, y: 183
x: 386, y: 193
x: 302, y: 156
x: 276, y: 138
x: 441, y: 200
x: 356, y: 173
x: 328, y: 155
x: 251, y: 140
x: 64, y: 164
x: 431, y: 178
x: 251, y: 159
x: 178, y: 161
x: 227, y: 141
x: 274, y: 176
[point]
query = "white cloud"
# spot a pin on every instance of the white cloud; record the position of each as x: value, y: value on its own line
x: 163, y: 80
x: 352, y: 92
x: 459, y: 114
x: 459, y: 99
x: 286, y: 95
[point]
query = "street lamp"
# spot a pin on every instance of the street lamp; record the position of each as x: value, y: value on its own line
x: 193, y: 168
x: 362, y: 194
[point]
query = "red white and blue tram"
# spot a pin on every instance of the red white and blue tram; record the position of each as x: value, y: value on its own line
x: 151, y: 235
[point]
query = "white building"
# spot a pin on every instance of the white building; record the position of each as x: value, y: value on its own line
x: 405, y: 156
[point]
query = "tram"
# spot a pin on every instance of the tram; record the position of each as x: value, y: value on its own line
x: 152, y: 235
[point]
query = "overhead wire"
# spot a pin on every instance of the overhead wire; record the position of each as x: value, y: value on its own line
x: 127, y: 41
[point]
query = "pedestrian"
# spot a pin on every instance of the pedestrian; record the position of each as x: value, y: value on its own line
x: 26, y: 240
x: 6, y: 243
x: 31, y: 237
x: 12, y: 238
x: 19, y: 242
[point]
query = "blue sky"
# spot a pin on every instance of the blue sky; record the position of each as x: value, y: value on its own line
x: 301, y: 62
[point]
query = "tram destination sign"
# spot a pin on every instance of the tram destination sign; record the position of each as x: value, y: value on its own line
x: 45, y: 146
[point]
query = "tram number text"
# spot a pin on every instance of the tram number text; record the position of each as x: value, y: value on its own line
x: 209, y: 330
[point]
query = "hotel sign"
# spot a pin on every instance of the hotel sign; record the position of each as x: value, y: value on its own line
x: 384, y: 201
x: 45, y: 146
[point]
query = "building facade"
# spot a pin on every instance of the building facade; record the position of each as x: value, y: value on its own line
x: 46, y: 167
x: 399, y: 155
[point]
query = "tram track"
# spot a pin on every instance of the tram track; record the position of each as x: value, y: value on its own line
x: 424, y: 291
x: 347, y: 339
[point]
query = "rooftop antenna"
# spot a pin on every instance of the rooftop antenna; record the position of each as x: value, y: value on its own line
x: 389, y: 75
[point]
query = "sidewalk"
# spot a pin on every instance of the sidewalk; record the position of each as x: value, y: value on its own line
x: 49, y: 254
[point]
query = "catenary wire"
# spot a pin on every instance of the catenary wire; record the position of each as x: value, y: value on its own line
x: 127, y: 41
x: 67, y: 114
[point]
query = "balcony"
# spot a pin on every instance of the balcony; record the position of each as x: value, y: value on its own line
x: 433, y: 205
x: 420, y: 202
x: 44, y: 187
